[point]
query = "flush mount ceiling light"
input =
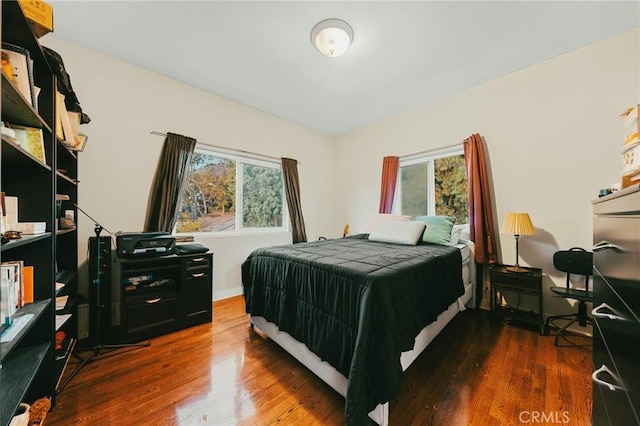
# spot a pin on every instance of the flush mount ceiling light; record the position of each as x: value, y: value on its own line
x: 332, y: 37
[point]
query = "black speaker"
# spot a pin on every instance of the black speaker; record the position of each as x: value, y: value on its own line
x: 100, y: 300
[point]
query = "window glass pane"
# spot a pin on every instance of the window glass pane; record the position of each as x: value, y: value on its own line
x: 414, y: 186
x: 208, y: 203
x: 451, y: 196
x: 262, y: 197
x: 435, y: 183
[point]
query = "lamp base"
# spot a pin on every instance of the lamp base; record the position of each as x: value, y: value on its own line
x: 517, y: 269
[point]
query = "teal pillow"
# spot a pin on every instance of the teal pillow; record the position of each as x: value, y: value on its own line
x: 438, y: 229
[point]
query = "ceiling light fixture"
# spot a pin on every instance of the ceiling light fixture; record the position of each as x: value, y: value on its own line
x: 332, y: 37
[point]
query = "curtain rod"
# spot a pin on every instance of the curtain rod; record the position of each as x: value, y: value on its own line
x: 255, y: 154
x: 430, y: 151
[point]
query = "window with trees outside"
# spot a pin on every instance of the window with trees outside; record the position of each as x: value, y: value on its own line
x: 231, y: 193
x: 434, y: 184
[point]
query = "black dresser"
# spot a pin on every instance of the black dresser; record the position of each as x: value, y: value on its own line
x: 616, y: 308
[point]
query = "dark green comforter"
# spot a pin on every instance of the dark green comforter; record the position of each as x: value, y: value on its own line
x: 355, y: 303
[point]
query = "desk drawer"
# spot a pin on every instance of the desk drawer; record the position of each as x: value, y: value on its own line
x: 151, y: 310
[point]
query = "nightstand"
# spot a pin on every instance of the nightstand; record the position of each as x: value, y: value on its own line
x: 529, y: 283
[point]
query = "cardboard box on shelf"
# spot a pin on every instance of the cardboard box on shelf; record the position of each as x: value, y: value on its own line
x: 631, y: 125
x: 39, y: 14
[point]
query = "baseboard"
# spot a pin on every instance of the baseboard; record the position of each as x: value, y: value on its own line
x: 227, y: 293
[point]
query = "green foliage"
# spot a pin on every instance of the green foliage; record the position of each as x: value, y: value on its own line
x: 262, y: 197
x: 187, y: 225
x: 452, y: 197
x: 209, y: 199
x: 450, y: 188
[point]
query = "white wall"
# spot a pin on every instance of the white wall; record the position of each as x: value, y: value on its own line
x: 553, y: 137
x: 116, y: 168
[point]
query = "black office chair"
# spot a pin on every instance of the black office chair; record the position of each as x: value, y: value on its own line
x: 576, y: 261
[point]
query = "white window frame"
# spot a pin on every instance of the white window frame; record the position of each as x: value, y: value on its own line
x: 243, y: 158
x: 427, y: 157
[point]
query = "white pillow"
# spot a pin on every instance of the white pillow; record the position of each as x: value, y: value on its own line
x: 398, y: 232
x: 465, y: 232
x: 383, y: 217
x: 456, y: 232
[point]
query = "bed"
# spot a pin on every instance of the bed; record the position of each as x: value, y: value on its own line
x: 358, y: 312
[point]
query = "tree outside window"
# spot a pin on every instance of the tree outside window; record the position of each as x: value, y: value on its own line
x: 434, y: 184
x: 227, y: 194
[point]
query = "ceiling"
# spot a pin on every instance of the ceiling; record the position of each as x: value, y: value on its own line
x: 404, y: 54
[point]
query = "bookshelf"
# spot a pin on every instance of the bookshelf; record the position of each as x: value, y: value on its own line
x: 30, y: 365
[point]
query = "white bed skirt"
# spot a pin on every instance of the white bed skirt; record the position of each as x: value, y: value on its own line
x: 336, y: 380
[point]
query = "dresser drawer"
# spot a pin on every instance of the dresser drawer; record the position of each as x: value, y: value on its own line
x: 618, y: 331
x: 612, y: 404
x: 627, y: 293
x: 616, y: 251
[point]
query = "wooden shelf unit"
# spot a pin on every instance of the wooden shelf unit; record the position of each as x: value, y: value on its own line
x: 28, y: 362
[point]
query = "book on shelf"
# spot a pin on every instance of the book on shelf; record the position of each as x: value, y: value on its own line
x: 61, y: 302
x: 7, y: 309
x: 28, y: 282
x: 28, y: 228
x: 17, y: 61
x: 7, y: 131
x: 81, y: 142
x: 61, y: 319
x: 69, y: 137
x: 3, y: 212
x: 11, y: 287
x: 10, y: 208
x: 32, y: 140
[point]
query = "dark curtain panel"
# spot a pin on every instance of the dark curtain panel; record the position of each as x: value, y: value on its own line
x: 292, y: 190
x: 169, y: 182
x: 388, y: 184
x: 480, y: 211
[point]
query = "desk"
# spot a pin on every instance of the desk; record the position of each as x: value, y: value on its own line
x: 529, y: 283
x: 163, y: 294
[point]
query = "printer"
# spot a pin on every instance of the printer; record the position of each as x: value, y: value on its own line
x: 144, y: 244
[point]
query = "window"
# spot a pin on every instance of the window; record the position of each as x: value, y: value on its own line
x: 231, y: 193
x: 434, y: 184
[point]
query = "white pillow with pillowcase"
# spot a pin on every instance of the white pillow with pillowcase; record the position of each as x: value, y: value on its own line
x: 383, y: 217
x: 398, y: 232
x: 456, y: 231
x: 459, y: 232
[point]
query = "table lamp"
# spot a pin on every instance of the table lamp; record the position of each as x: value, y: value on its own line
x: 517, y: 224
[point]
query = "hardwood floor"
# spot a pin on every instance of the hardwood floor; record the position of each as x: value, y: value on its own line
x: 474, y: 373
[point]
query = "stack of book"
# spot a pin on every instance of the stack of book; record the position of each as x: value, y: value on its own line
x: 16, y: 289
x: 28, y: 228
x: 10, y: 222
x: 631, y: 149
